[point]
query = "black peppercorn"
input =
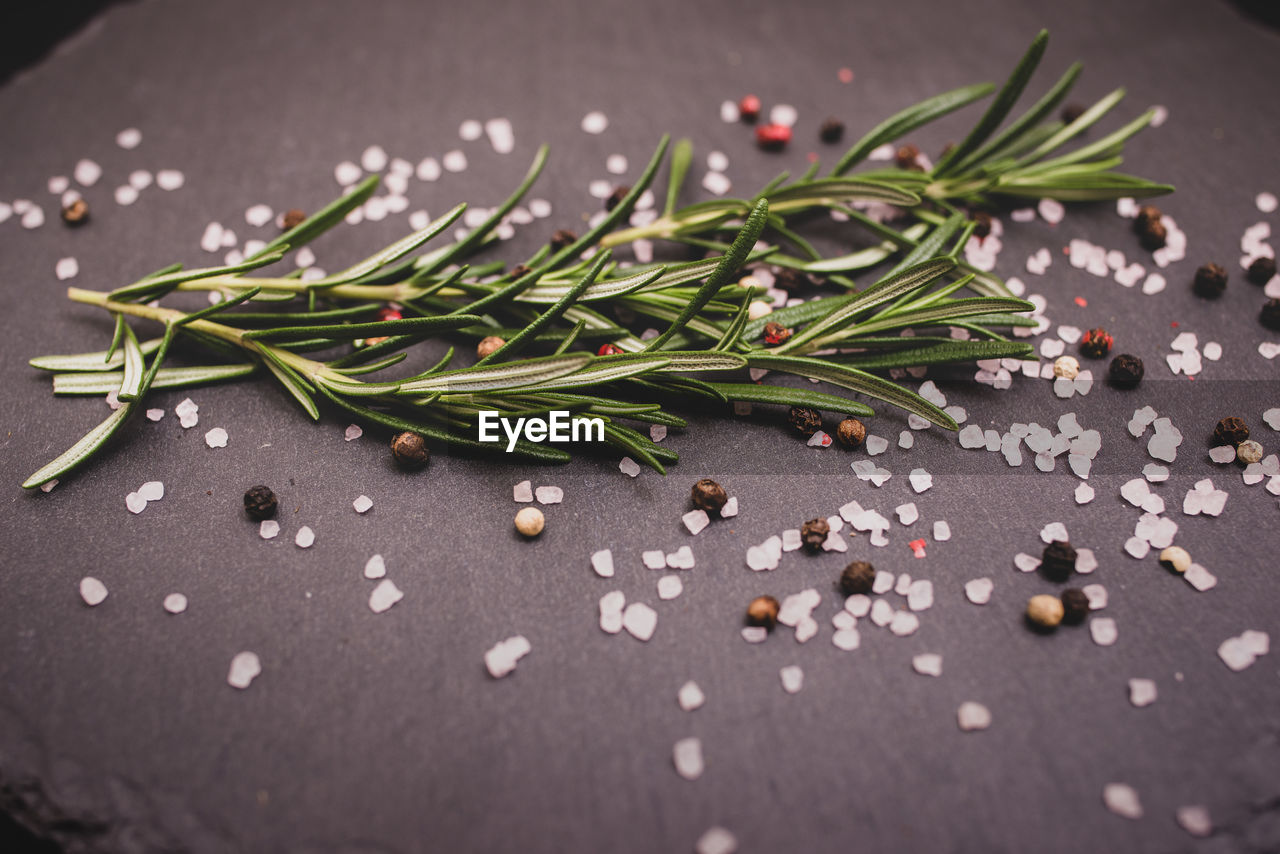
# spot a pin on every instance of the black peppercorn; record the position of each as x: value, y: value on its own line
x: 908, y: 157
x: 410, y: 450
x: 1071, y: 112
x: 259, y: 503
x: 982, y: 224
x: 858, y: 577
x: 788, y: 279
x: 1270, y: 314
x: 814, y: 533
x: 1096, y: 343
x: 1153, y: 235
x: 619, y: 193
x: 76, y: 213
x: 832, y: 130
x: 562, y: 238
x: 851, y: 432
x: 775, y: 333
x: 1230, y: 431
x: 1058, y: 561
x: 806, y: 421
x: 1261, y: 270
x: 292, y: 219
x: 1146, y: 214
x: 1210, y: 281
x: 763, y: 611
x: 1126, y: 370
x: 709, y: 495
x: 517, y: 272
x: 1075, y: 606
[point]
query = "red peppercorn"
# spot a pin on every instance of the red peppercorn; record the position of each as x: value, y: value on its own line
x: 390, y: 313
x: 773, y: 137
x: 1096, y: 343
x: 749, y: 108
x: 775, y: 333
x: 608, y: 350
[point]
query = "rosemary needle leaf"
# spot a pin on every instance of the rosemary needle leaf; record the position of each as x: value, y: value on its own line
x: 134, y: 367
x: 322, y: 220
x: 783, y: 396
x: 89, y: 361
x: 294, y: 384
x: 681, y: 159
x: 158, y: 286
x: 80, y: 451
x: 1026, y: 122
x: 492, y: 378
x: 951, y: 351
x: 406, y: 326
x: 102, y: 382
x: 392, y: 253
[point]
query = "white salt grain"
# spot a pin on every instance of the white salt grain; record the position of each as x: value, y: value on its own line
x: 66, y: 268
x: 792, y: 678
x: 978, y: 591
x: 1200, y: 578
x: 690, y: 696
x: 941, y: 531
x: 1122, y: 800
x: 305, y: 537
x: 126, y: 195
x: 687, y: 755
x: 501, y: 659
x: 245, y: 667
x: 1086, y: 561
x: 1097, y: 596
x: 353, y: 432
x: 973, y: 716
x: 549, y: 494
x: 921, y: 480
x: 374, y: 159
x: 696, y: 521
x: 629, y: 467
x: 216, y: 438
x: 129, y: 138
x: 881, y: 613
x: 1142, y: 692
x: 595, y: 122
x: 375, y: 567
x: 268, y: 529
x: 639, y: 620
x: 669, y: 587
x: 522, y: 492
x: 755, y: 634
x: 1054, y: 532
x: 847, y: 639
x: 1195, y: 819
x: 362, y: 504
x: 454, y: 161
x: 1103, y: 631
x: 1266, y: 202
x: 920, y: 595
x: 904, y: 623
x: 602, y: 563
x: 927, y: 664
x: 135, y: 503
x: 875, y: 445
x: 92, y: 591
x: 470, y: 130
x: 152, y: 490
x: 87, y: 173
x: 258, y: 215
x: 175, y: 603
x: 730, y: 508
x: 170, y: 179
x: 384, y: 596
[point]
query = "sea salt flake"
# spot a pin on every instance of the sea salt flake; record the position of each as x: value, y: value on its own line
x: 755, y: 634
x: 454, y: 161
x: 876, y: 445
x: 858, y: 604
x: 920, y: 595
x: 883, y: 582
x: 501, y: 659
x: 978, y: 591
x: 269, y: 529
x: 602, y: 563
x: 362, y: 504
x: 792, y: 678
x: 92, y: 591
x: 135, y: 503
x: 654, y: 559
x: 846, y: 639
x: 1142, y: 692
x: 669, y: 587
x: 1195, y: 819
x: 629, y: 467
x: 549, y: 494
x: 1054, y: 532
x: 170, y: 179
x: 522, y: 492
x: 216, y: 438
x: 907, y: 513
x: 904, y: 623
x: 687, y: 755
x: 640, y: 620
x: 245, y: 667
x: 1025, y: 562
x: 305, y: 537
x: 1097, y: 596
x: 973, y: 716
x: 921, y: 480
x: 1200, y: 578
x: 129, y: 138
x: 1222, y: 454
x: 87, y: 172
x: 175, y: 603
x: 353, y: 432
x: 375, y: 567
x: 1086, y: 562
x: 927, y: 664
x: 595, y: 122
x: 1137, y: 547
x: 941, y: 531
x: 66, y: 268
x: 1084, y: 493
x: 690, y: 696
x: 258, y: 215
x: 1103, y: 631
x: 1121, y: 798
x: 881, y: 613
x: 384, y: 596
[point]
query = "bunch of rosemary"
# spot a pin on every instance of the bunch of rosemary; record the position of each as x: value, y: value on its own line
x: 560, y: 299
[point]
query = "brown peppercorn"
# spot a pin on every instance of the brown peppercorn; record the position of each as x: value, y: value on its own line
x: 292, y: 219
x: 1146, y: 214
x: 788, y: 279
x: 518, y: 271
x: 982, y: 224
x: 1045, y: 612
x: 76, y: 213
x: 562, y: 238
x: 619, y: 193
x: 1071, y: 112
x: 858, y: 577
x: 709, y: 495
x: 1153, y: 235
x: 1261, y: 270
x: 259, y: 503
x: 1270, y: 314
x: 1230, y: 431
x: 806, y: 421
x: 1075, y: 606
x: 763, y: 611
x: 832, y: 130
x: 1210, y: 281
x: 775, y: 333
x: 814, y: 533
x: 410, y: 450
x: 488, y: 345
x: 1126, y: 370
x: 908, y: 157
x: 851, y: 432
x: 1058, y: 561
x: 1096, y: 343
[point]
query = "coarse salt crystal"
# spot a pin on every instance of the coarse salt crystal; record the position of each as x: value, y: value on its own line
x: 375, y: 567
x: 522, y: 492
x: 755, y: 634
x: 696, y: 521
x: 792, y: 678
x: 1121, y: 798
x: 87, y: 172
x: 847, y: 639
x: 129, y: 138
x: 245, y: 667
x: 305, y: 537
x: 978, y: 591
x: 549, y: 494
x: 268, y: 529
x: 66, y: 268
x: 1103, y: 631
x: 640, y: 620
x: 501, y: 659
x: 669, y: 587
x: 216, y: 438
x: 629, y: 467
x: 602, y: 563
x: 384, y: 596
x: 687, y: 755
x: 1195, y: 820
x: 362, y: 504
x: 175, y: 603
x: 170, y: 179
x: 927, y: 664
x: 454, y: 161
x: 92, y: 591
x: 595, y: 122
x: 135, y: 503
x: 973, y: 716
x: 353, y: 432
x: 690, y: 696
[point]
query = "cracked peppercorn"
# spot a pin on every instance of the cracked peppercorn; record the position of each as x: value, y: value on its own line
x: 292, y: 219
x: 1045, y: 611
x: 260, y: 503
x: 1058, y: 560
x: 1261, y: 270
x: 1126, y: 370
x: 763, y: 611
x: 76, y: 213
x: 563, y: 237
x: 1230, y: 431
x: 806, y: 421
x: 709, y: 495
x: 832, y: 130
x: 1210, y: 281
x: 1270, y: 314
x: 1096, y: 343
x: 1149, y: 227
x: 1175, y: 559
x: 749, y: 108
x: 981, y: 224
x: 1248, y: 452
x: 908, y: 157
x: 410, y: 450
x: 814, y: 533
x: 1075, y: 606
x: 775, y: 333
x: 619, y: 193
x: 488, y: 345
x: 851, y: 432
x: 518, y: 271
x: 608, y: 350
x: 858, y: 577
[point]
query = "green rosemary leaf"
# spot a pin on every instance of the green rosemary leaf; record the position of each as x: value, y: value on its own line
x: 1086, y: 120
x: 134, y: 367
x: 1112, y: 141
x: 1082, y: 188
x: 659, y: 452
x: 725, y: 270
x: 733, y: 332
x: 153, y: 288
x: 246, y: 318
x: 322, y: 220
x: 862, y: 259
x: 908, y: 120
x: 571, y: 338
x: 81, y: 450
x: 857, y: 380
x: 1026, y: 122
x: 523, y: 373
x: 681, y: 158
x: 941, y: 315
x: 1000, y: 106
x: 219, y: 307
x: 431, y: 371
x: 89, y: 361
x: 544, y: 293
x: 682, y: 386
x: 830, y: 190
x: 607, y: 369
x: 796, y: 315
x: 407, y: 326
x: 356, y: 388
x: 783, y: 396
x: 102, y: 382
x: 954, y: 351
x: 116, y: 336
x: 884, y: 290
x: 392, y: 253
x: 294, y: 384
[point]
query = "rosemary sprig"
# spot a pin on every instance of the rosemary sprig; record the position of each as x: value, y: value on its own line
x: 563, y: 302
